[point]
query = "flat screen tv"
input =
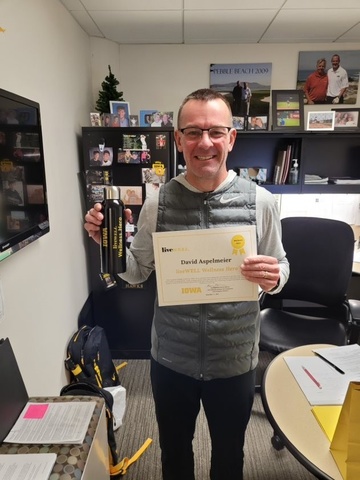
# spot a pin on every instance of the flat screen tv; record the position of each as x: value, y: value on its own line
x: 23, y: 202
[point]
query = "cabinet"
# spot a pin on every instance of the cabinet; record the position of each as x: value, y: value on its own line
x: 330, y: 154
x: 86, y: 461
x: 140, y: 159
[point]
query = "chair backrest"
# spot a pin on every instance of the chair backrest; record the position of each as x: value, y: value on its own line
x: 320, y: 252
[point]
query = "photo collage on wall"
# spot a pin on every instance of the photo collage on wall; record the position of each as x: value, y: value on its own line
x: 136, y: 161
x: 21, y: 186
x: 120, y: 116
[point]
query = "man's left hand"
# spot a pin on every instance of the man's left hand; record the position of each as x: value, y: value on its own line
x: 263, y: 270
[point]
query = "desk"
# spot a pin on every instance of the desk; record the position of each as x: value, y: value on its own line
x: 290, y: 415
x: 88, y: 461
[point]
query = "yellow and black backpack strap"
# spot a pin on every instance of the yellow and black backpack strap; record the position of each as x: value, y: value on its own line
x: 121, y: 467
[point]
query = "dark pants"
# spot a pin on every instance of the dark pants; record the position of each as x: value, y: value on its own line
x: 330, y: 99
x: 227, y: 404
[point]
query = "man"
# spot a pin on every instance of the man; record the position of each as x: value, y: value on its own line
x: 106, y: 160
x: 156, y: 120
x: 205, y: 354
x: 338, y: 81
x: 166, y: 120
x: 95, y: 159
x: 315, y: 88
x: 237, y: 99
x: 12, y: 196
x: 123, y: 120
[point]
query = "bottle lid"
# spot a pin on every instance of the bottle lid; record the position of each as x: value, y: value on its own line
x: 112, y: 193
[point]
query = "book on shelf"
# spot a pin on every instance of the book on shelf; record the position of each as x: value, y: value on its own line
x: 315, y: 179
x: 345, y: 180
x: 279, y: 167
x: 284, y: 161
x: 287, y: 162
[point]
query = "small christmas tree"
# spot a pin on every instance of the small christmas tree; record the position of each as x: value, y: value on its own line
x: 108, y: 93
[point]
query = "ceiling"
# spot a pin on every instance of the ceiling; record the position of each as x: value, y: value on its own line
x: 218, y: 21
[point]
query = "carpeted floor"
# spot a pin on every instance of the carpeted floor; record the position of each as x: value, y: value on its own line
x: 262, y: 461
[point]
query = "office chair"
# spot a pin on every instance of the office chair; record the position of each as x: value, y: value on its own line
x: 312, y: 307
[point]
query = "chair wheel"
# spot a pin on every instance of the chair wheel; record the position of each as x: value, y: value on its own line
x: 276, y: 442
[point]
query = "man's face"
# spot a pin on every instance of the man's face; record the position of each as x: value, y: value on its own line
x: 205, y: 157
x: 335, y: 62
x: 321, y: 68
x: 121, y: 113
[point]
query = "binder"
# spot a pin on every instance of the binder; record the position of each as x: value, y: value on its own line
x: 13, y: 393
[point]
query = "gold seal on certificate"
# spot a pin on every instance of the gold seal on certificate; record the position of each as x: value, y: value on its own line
x: 238, y: 244
x: 203, y: 266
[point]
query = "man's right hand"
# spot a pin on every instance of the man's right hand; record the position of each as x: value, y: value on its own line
x: 93, y: 221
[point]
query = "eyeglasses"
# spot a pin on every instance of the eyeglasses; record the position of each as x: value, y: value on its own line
x: 195, y: 133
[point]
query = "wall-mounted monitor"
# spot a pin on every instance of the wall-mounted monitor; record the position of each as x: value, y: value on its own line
x: 23, y: 200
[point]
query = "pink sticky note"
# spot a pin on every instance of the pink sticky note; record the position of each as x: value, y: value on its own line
x: 36, y: 411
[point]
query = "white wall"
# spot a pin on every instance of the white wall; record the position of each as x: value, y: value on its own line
x: 45, y: 56
x: 160, y: 76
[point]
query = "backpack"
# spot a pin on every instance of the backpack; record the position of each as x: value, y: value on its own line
x: 89, y: 359
x: 92, y: 370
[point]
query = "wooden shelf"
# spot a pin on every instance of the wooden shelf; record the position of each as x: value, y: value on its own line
x: 330, y: 154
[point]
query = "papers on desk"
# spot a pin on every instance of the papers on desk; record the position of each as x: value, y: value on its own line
x: 27, y: 466
x: 51, y: 423
x: 346, y: 358
x: 324, y: 379
x: 319, y: 381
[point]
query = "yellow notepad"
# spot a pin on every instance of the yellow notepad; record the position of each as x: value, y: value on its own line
x: 327, y: 416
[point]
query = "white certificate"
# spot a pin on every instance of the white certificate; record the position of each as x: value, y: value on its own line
x: 203, y: 266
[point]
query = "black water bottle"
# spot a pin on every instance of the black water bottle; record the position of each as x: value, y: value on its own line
x: 113, y: 251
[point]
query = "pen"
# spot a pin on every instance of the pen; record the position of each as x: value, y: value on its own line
x: 330, y: 363
x: 311, y: 377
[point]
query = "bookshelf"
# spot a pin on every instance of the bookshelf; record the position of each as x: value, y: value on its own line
x: 330, y: 154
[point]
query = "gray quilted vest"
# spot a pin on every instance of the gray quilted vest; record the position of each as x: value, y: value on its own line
x: 217, y: 340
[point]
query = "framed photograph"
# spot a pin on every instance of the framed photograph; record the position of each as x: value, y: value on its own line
x: 287, y: 110
x: 338, y: 68
x: 257, y: 123
x: 114, y: 120
x: 95, y: 119
x: 106, y: 120
x: 347, y: 118
x: 134, y: 120
x: 131, y: 195
x: 146, y: 117
x: 320, y: 120
x: 246, y: 86
x: 122, y: 109
x: 239, y: 123
x: 156, y: 118
x: 35, y: 194
x: 256, y: 174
